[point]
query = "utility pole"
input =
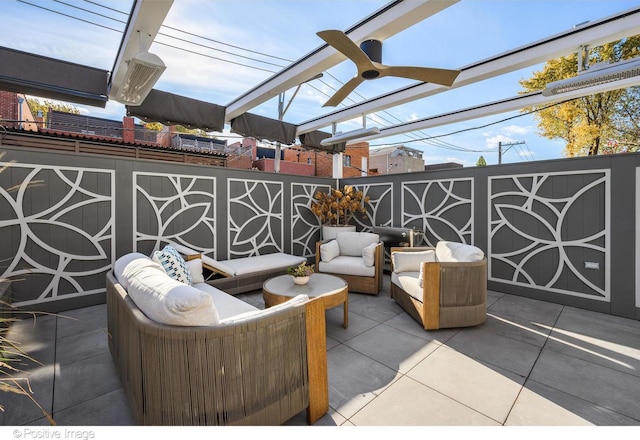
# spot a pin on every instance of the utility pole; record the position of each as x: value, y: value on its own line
x: 508, y: 145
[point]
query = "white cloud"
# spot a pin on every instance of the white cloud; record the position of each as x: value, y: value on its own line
x: 492, y: 142
x: 516, y: 129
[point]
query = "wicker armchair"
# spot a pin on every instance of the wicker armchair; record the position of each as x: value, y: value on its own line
x: 348, y: 260
x: 258, y: 372
x: 453, y: 294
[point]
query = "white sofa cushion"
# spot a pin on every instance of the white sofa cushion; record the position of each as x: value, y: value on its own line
x: 347, y: 266
x: 408, y: 281
x: 162, y: 298
x: 217, y: 265
x: 410, y: 261
x: 226, y: 305
x: 452, y: 252
x: 173, y: 263
x: 256, y: 314
x: 329, y: 250
x: 369, y: 254
x: 352, y: 243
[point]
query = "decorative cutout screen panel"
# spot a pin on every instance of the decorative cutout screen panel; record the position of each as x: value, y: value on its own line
x: 57, y: 231
x: 551, y: 231
x: 378, y: 207
x: 442, y: 209
x: 176, y: 208
x: 255, y: 222
x: 305, y: 225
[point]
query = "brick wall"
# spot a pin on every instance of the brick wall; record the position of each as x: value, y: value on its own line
x: 357, y: 151
x: 8, y: 108
x: 324, y: 161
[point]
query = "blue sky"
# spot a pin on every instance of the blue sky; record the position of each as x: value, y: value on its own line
x: 267, y: 34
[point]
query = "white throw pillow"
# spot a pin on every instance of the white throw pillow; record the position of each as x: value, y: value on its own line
x: 452, y: 252
x: 411, y: 261
x: 195, y: 269
x: 329, y: 251
x: 173, y: 263
x: 369, y: 254
x: 352, y: 243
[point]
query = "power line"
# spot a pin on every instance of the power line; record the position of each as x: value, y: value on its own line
x: 410, y: 135
x: 484, y: 126
x: 427, y: 139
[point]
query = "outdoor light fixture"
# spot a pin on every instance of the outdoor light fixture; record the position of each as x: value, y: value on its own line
x: 143, y: 70
x: 349, y: 135
x: 598, y: 74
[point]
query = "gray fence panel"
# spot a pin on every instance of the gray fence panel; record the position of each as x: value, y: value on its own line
x: 538, y: 222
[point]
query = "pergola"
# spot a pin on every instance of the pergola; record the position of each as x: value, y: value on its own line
x: 28, y: 73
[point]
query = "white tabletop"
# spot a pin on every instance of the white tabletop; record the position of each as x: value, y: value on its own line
x: 319, y: 284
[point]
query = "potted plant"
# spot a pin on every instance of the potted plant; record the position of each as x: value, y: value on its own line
x: 301, y: 273
x: 337, y: 208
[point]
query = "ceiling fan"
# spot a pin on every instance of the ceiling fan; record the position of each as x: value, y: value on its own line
x: 367, y: 59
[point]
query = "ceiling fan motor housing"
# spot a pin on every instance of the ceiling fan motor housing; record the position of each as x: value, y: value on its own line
x: 373, y: 49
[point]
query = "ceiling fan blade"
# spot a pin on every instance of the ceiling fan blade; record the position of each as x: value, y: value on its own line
x: 343, y: 92
x: 443, y: 77
x: 342, y: 43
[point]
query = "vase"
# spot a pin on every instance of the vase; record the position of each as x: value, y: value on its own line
x: 331, y: 231
x: 301, y: 281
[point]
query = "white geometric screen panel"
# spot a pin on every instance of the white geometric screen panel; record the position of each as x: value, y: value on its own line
x: 305, y: 225
x: 442, y: 209
x: 174, y: 207
x: 378, y: 207
x: 57, y: 231
x: 255, y: 222
x: 551, y: 231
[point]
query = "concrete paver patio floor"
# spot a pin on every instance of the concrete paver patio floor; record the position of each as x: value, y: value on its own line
x: 532, y: 363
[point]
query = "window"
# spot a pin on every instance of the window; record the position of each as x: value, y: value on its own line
x: 346, y: 161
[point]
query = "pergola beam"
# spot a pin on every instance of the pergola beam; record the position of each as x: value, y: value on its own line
x: 592, y: 34
x: 498, y: 107
x: 391, y: 19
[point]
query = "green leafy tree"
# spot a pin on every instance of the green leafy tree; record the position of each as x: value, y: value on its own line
x: 157, y: 126
x: 35, y: 105
x: 604, y: 123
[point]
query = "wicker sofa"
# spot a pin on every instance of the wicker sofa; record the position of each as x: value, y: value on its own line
x: 204, y: 357
x: 356, y: 257
x: 441, y: 287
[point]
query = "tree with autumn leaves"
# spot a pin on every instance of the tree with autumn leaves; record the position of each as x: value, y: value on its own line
x: 604, y: 123
x: 338, y: 206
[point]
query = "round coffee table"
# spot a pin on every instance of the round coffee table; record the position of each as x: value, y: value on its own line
x: 333, y: 290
